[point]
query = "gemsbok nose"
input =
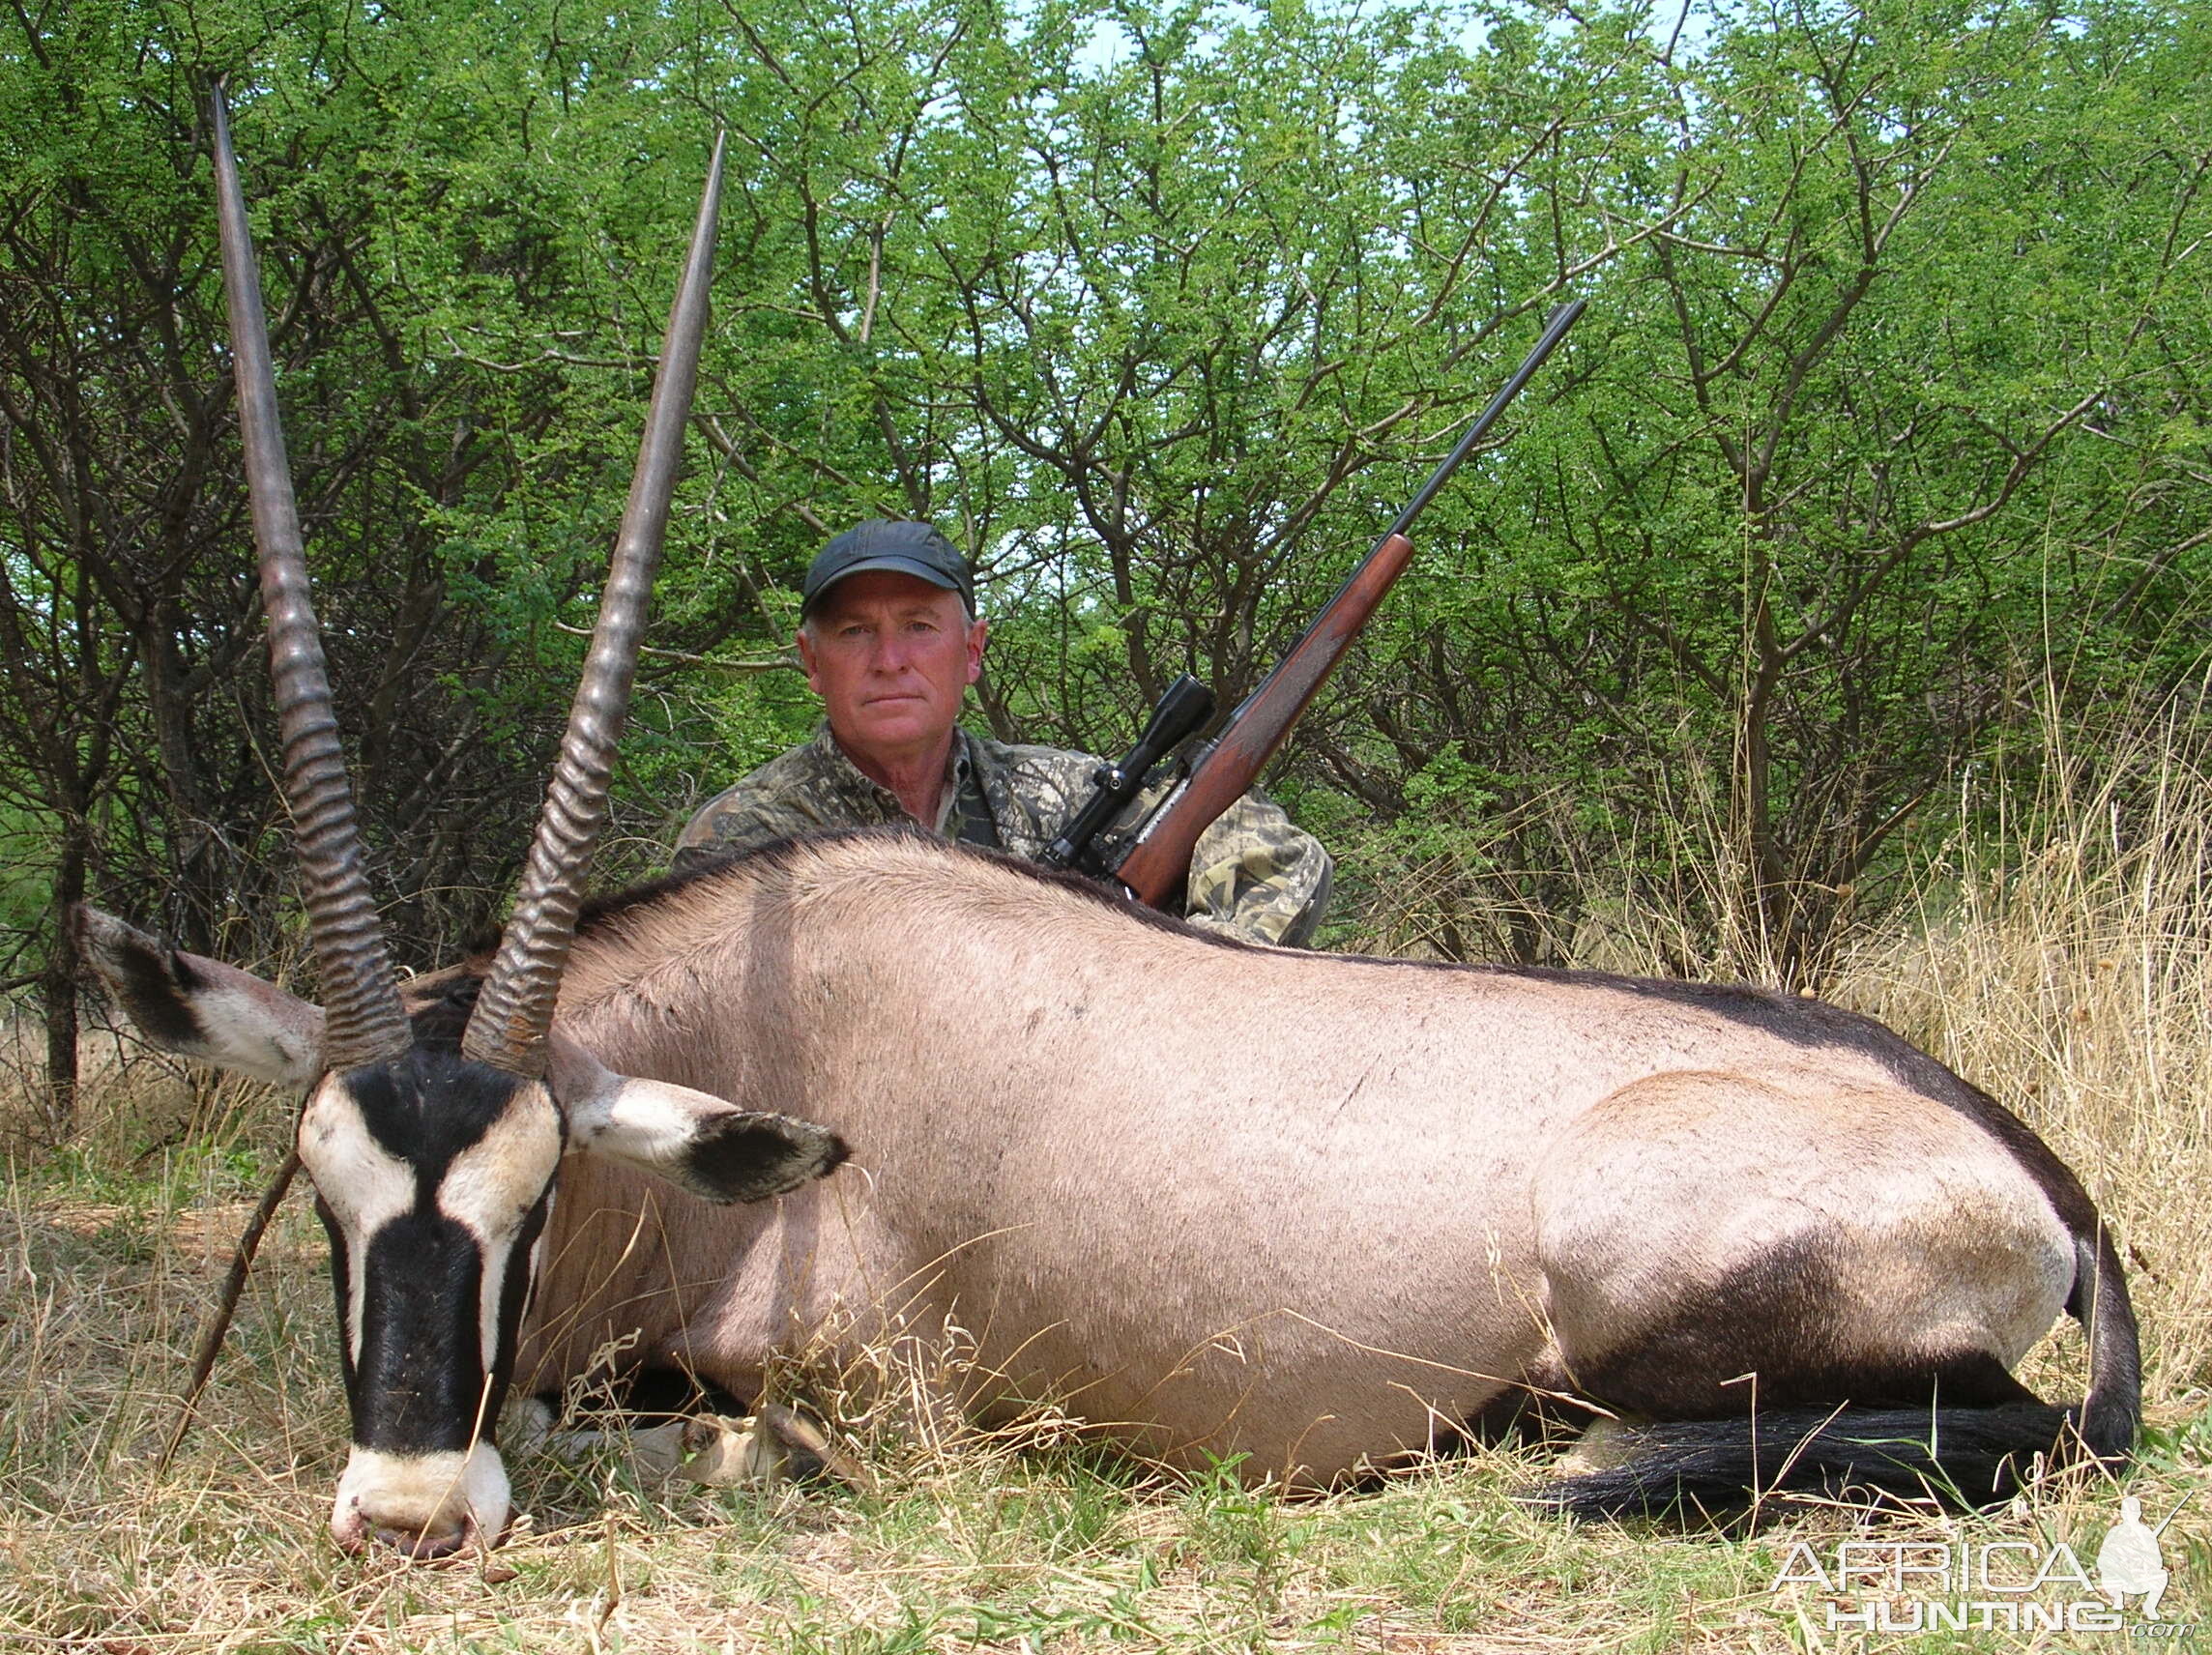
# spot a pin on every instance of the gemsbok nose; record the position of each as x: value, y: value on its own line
x: 422, y: 1505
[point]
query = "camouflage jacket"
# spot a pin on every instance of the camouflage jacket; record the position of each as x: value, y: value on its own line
x: 1252, y: 876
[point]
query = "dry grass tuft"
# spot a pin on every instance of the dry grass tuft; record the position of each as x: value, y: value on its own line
x: 2073, y: 975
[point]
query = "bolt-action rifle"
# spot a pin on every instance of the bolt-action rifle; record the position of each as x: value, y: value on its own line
x: 1153, y: 864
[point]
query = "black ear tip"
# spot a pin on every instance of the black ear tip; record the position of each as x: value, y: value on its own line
x: 751, y: 1157
x: 152, y: 982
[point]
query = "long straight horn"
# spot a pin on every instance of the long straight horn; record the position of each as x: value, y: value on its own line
x: 514, y: 1008
x: 366, y: 1023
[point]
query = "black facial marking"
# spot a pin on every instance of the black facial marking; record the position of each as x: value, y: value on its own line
x: 421, y: 1358
x: 418, y: 1386
x: 427, y: 1107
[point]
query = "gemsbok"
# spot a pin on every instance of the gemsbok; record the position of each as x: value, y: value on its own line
x: 1317, y: 1212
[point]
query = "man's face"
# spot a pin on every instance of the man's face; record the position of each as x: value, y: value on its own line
x: 890, y: 656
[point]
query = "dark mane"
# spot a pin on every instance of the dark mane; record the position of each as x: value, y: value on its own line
x: 776, y: 853
x: 439, y: 1024
x: 1809, y: 1024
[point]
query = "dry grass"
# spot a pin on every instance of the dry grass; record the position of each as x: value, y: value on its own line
x: 2075, y: 980
x: 2074, y: 975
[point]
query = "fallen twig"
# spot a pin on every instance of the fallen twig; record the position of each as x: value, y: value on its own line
x: 241, y: 1262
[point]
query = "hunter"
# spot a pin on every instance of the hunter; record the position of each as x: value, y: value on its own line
x: 889, y: 640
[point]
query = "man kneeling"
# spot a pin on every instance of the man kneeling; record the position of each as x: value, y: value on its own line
x: 889, y: 640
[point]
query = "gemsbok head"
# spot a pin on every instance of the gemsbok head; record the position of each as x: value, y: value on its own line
x: 434, y: 1161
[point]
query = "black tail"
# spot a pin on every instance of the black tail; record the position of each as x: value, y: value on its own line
x: 2110, y: 1414
x: 1963, y: 1456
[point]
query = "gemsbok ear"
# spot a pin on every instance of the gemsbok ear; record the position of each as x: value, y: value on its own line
x: 694, y: 1140
x: 202, y: 1008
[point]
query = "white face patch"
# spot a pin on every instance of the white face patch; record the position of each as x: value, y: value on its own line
x: 492, y: 1186
x: 363, y: 1184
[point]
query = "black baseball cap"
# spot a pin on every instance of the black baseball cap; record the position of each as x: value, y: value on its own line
x: 880, y: 543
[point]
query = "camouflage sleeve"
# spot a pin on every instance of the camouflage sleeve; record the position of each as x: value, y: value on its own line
x: 739, y: 818
x: 1253, y: 875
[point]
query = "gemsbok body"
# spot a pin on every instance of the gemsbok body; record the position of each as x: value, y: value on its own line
x: 1315, y: 1210
x: 1309, y: 1212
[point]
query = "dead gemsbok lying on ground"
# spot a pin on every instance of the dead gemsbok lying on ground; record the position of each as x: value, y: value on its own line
x: 1235, y: 1199
x: 1224, y: 1199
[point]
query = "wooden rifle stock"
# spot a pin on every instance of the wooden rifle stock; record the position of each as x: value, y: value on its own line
x: 1157, y: 865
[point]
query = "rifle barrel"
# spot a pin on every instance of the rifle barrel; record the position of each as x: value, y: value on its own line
x: 1555, y: 329
x: 1154, y: 868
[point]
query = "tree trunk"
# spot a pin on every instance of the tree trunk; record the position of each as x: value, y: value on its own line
x: 59, y: 987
